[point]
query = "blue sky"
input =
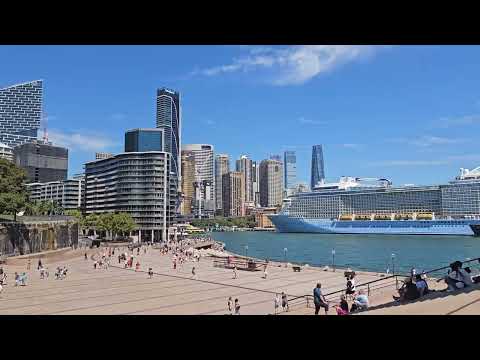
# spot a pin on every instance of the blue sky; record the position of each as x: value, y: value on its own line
x: 408, y: 113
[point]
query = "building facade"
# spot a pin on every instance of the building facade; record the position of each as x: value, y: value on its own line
x: 317, y: 169
x: 222, y: 166
x: 138, y: 183
x: 42, y: 162
x: 271, y: 183
x: 204, y: 202
x: 290, y: 169
x: 169, y: 120
x: 244, y: 165
x: 141, y: 140
x: 233, y: 194
x: 20, y: 112
x: 6, y: 152
x: 69, y: 194
x: 188, y: 180
x: 256, y: 183
x: 102, y: 155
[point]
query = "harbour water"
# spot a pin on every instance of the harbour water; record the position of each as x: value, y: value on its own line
x: 361, y: 252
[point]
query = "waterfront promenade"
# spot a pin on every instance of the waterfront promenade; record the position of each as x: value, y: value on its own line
x: 121, y: 291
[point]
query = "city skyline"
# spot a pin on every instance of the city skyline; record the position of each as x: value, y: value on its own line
x: 418, y: 105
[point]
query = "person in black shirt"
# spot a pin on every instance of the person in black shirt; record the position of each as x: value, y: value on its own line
x: 408, y: 291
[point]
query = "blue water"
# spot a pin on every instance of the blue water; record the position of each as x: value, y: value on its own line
x: 361, y: 252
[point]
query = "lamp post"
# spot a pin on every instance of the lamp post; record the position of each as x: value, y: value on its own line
x: 246, y: 250
x: 393, y: 264
x: 285, y: 256
x: 333, y: 259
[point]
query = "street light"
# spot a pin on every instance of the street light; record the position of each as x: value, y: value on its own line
x: 246, y: 250
x: 285, y: 255
x: 393, y: 264
x: 333, y: 259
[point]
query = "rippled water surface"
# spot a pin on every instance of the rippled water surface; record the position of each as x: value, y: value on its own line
x: 369, y: 252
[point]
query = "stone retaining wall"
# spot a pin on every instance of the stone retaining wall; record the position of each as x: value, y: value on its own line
x: 32, y: 237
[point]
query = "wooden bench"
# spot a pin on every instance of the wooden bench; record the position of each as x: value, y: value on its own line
x: 296, y: 268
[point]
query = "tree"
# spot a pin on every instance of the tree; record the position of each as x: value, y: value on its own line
x: 77, y: 214
x: 92, y: 222
x: 13, y: 195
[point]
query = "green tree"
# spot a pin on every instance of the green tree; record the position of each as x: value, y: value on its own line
x: 77, y: 214
x: 92, y: 222
x: 13, y: 195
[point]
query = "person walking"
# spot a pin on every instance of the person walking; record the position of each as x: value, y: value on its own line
x: 235, y: 272
x: 39, y: 264
x: 230, y: 305
x: 150, y: 273
x: 28, y: 264
x: 284, y: 302
x: 319, y: 299
x: 194, y: 275
x: 137, y: 266
x: 265, y: 272
x: 86, y: 257
x: 277, y: 303
x: 237, y: 307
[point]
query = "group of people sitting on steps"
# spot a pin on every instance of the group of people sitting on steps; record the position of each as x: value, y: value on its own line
x: 415, y: 286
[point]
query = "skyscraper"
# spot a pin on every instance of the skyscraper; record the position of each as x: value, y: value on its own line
x: 204, y: 204
x: 271, y: 183
x: 188, y: 180
x: 318, y: 173
x: 222, y: 166
x: 169, y: 119
x: 42, y: 162
x: 290, y: 169
x: 256, y: 183
x: 233, y: 194
x: 20, y: 113
x: 244, y: 165
x: 140, y: 140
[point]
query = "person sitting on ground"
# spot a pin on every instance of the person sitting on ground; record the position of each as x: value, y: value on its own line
x: 360, y: 302
x: 473, y: 275
x: 456, y: 278
x: 421, y: 285
x: 408, y: 291
x: 319, y: 299
x: 342, y: 308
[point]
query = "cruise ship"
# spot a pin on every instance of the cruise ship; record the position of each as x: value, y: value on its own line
x: 374, y: 206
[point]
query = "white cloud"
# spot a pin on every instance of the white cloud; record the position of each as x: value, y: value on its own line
x: 454, y: 159
x: 80, y: 141
x: 304, y: 121
x: 294, y: 65
x: 459, y: 121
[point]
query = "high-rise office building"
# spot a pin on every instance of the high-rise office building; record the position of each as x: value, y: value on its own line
x: 188, y: 180
x: 138, y: 183
x: 42, y: 162
x: 244, y: 165
x: 141, y: 140
x: 20, y: 113
x: 6, y: 152
x: 256, y: 183
x: 102, y: 155
x: 233, y: 194
x: 271, y: 183
x: 318, y: 173
x: 222, y: 166
x: 290, y: 169
x: 204, y: 204
x: 169, y: 119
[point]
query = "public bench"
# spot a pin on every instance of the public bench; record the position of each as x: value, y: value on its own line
x: 296, y: 268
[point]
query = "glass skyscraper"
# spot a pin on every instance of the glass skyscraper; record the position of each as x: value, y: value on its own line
x: 318, y: 172
x: 290, y: 169
x: 168, y: 119
x: 20, y: 113
x: 140, y: 140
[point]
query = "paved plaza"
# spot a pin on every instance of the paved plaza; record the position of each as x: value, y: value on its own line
x: 124, y: 291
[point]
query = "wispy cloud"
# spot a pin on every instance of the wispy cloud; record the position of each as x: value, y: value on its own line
x: 293, y: 65
x: 304, y: 121
x: 454, y: 159
x: 81, y: 141
x: 353, y: 146
x: 429, y: 141
x: 457, y: 121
